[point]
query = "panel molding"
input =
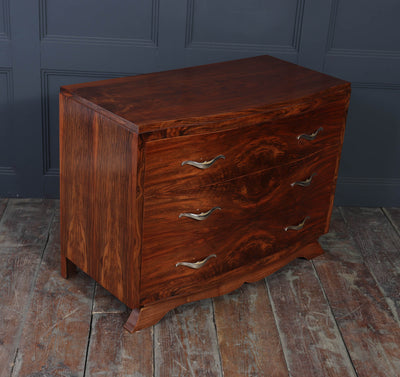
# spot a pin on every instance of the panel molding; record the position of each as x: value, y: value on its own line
x: 292, y: 48
x: 48, y: 170
x: 7, y: 170
x: 375, y: 85
x: 371, y: 192
x: 7, y: 72
x: 134, y: 42
x: 332, y: 51
x: 5, y: 34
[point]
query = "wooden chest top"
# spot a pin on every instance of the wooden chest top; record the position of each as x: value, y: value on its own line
x: 190, y: 96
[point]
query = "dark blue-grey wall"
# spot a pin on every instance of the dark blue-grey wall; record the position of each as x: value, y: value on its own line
x: 48, y: 43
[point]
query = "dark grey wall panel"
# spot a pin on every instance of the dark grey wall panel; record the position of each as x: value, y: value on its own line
x: 7, y: 156
x: 99, y: 35
x: 369, y: 170
x: 368, y: 150
x: 4, y: 19
x: 48, y: 43
x: 94, y: 20
x: 5, y: 45
x: 244, y: 24
x: 363, y: 46
x: 5, y: 118
x: 367, y: 25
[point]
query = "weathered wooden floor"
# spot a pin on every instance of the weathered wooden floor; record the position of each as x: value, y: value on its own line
x: 338, y: 315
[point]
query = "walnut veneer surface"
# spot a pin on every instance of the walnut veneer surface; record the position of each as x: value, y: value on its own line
x: 130, y: 202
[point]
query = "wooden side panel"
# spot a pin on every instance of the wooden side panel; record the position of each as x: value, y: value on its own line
x: 100, y: 214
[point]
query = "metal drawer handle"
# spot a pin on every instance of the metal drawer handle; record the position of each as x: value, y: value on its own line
x: 203, y: 165
x: 200, y: 216
x: 297, y: 227
x: 196, y: 265
x: 311, y: 136
x: 304, y: 183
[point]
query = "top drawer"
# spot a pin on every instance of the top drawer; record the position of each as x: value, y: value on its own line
x: 245, y: 150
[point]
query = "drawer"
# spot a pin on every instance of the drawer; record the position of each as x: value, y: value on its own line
x: 245, y: 150
x: 255, y: 210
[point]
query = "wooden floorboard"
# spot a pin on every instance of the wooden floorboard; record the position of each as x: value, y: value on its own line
x: 56, y: 331
x: 3, y: 205
x: 311, y: 340
x: 379, y: 244
x: 113, y: 352
x: 393, y: 215
x: 244, y: 349
x: 366, y: 322
x: 337, y: 315
x: 24, y: 229
x: 185, y: 342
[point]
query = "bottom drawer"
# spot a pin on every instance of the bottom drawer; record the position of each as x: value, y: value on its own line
x: 260, y: 214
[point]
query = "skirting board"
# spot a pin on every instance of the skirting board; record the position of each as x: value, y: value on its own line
x: 368, y: 192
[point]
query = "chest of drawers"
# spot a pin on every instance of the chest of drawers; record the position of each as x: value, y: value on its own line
x: 182, y: 185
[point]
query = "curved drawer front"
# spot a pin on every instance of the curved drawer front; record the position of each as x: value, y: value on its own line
x: 195, y: 161
x: 252, y: 217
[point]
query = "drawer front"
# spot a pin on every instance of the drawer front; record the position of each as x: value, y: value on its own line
x: 194, y: 161
x: 259, y: 214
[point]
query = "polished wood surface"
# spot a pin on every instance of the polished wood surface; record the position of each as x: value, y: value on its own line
x: 100, y: 174
x: 161, y: 100
x: 123, y: 186
x: 255, y: 210
x: 254, y: 145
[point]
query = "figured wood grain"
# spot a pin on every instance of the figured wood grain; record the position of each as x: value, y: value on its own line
x: 152, y: 312
x: 248, y: 339
x: 101, y: 208
x: 185, y: 342
x: 56, y: 330
x: 311, y: 340
x: 113, y: 352
x: 260, y: 145
x: 379, y: 244
x: 365, y: 320
x: 250, y: 225
x: 166, y: 99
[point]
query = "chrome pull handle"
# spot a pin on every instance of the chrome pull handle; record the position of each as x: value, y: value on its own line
x: 304, y: 183
x: 297, y: 227
x: 203, y: 165
x: 310, y: 136
x: 199, y: 216
x: 196, y: 265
